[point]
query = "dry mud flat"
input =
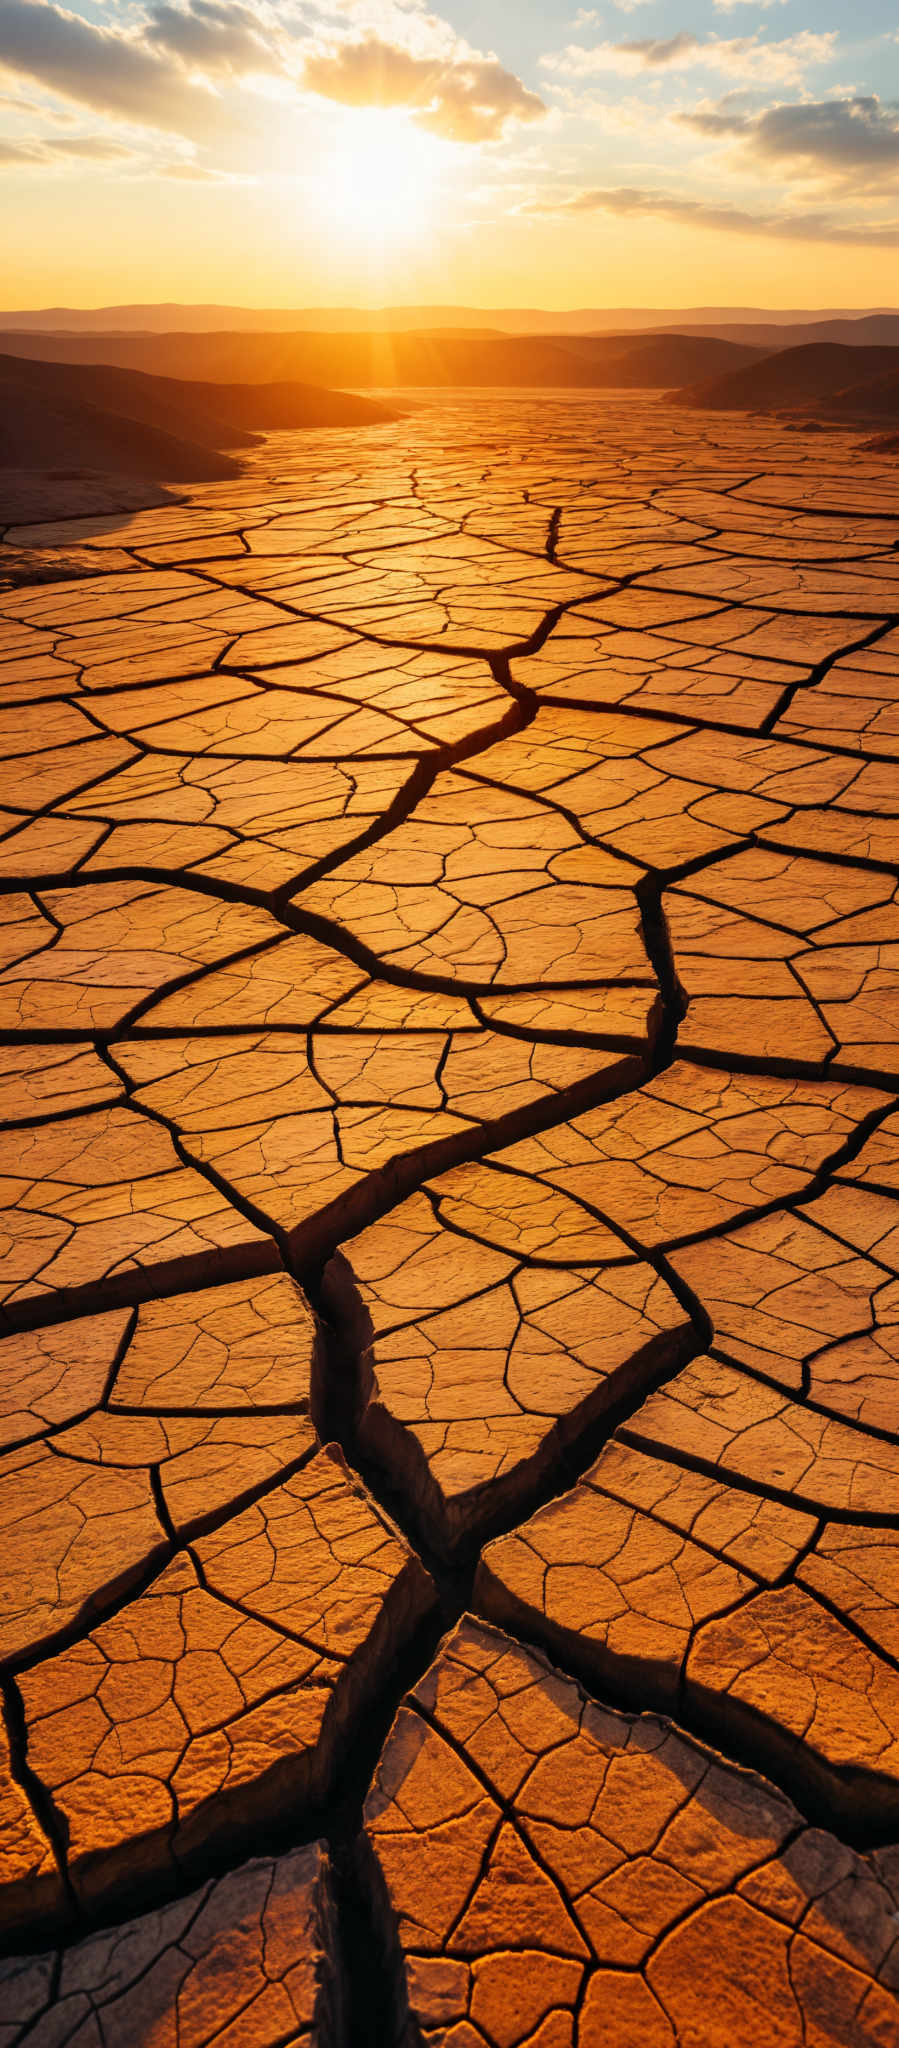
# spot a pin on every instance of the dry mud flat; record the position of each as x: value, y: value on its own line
x: 449, y: 1579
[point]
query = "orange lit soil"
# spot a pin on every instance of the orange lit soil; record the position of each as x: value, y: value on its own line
x: 449, y: 1356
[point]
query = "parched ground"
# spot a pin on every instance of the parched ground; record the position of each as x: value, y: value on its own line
x: 449, y: 1358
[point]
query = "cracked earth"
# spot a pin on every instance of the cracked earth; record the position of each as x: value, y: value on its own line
x: 449, y: 1037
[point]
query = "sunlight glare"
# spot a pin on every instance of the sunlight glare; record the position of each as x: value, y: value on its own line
x: 383, y: 175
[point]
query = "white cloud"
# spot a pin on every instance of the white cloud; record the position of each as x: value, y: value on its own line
x: 849, y: 142
x: 630, y: 201
x: 466, y: 97
x: 45, y: 151
x: 113, y: 71
x: 749, y: 58
x: 216, y: 36
x: 235, y: 79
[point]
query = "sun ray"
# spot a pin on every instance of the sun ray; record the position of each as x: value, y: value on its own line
x: 381, y: 184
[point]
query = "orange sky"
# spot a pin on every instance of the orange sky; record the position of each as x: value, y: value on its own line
x: 371, y: 151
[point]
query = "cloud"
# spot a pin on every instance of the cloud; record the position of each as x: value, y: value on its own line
x: 112, y: 72
x: 194, y: 174
x: 853, y: 139
x: 653, y: 51
x: 213, y: 36
x: 49, y: 149
x: 180, y: 69
x: 19, y: 153
x: 89, y: 146
x: 744, y: 57
x: 464, y: 96
x: 794, y: 227
x: 715, y: 122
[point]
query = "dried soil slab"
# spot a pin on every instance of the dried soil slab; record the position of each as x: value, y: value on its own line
x: 61, y: 773
x: 44, y: 848
x: 311, y: 1129
x: 280, y: 818
x: 139, y: 710
x: 358, y: 700
x: 118, y: 943
x: 784, y: 1669
x: 617, y: 1576
x: 766, y: 772
x: 661, y: 654
x: 854, y: 1568
x: 71, y: 606
x: 300, y: 981
x: 618, y: 1013
x: 248, y: 1345
x: 278, y: 724
x: 31, y: 1886
x: 860, y: 834
x: 223, y: 1697
x: 476, y: 1369
x: 47, y: 1079
x: 30, y: 728
x: 660, y: 795
x: 51, y: 1376
x: 102, y: 1198
x: 735, y: 1424
x: 76, y: 1535
x: 695, y: 1148
x: 876, y: 1164
x: 88, y: 1514
x: 209, y: 1398
x: 814, y: 597
x: 488, y: 887
x: 24, y: 930
x: 810, y: 1299
x: 650, y: 1574
x: 792, y: 958
x: 551, y: 1872
x: 288, y: 639
x: 140, y: 627
x: 294, y: 983
x: 857, y: 704
x: 250, y: 1957
x: 422, y: 700
x: 458, y: 594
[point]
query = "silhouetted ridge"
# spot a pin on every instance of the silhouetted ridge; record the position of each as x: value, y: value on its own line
x: 385, y: 360
x: 125, y: 422
x: 793, y: 377
x: 48, y: 430
x: 875, y: 399
x: 759, y: 325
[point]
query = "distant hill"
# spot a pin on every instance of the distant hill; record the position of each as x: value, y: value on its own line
x: 793, y: 377
x: 273, y: 408
x: 856, y: 330
x: 395, y: 360
x: 169, y: 405
x: 126, y: 423
x: 661, y: 359
x: 50, y: 429
x: 172, y: 317
x: 876, y: 399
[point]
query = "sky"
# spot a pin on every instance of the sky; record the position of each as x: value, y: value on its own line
x: 498, y: 152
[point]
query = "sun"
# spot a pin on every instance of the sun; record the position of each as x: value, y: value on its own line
x: 381, y: 181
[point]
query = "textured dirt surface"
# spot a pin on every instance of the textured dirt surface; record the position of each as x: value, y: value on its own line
x: 449, y: 1329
